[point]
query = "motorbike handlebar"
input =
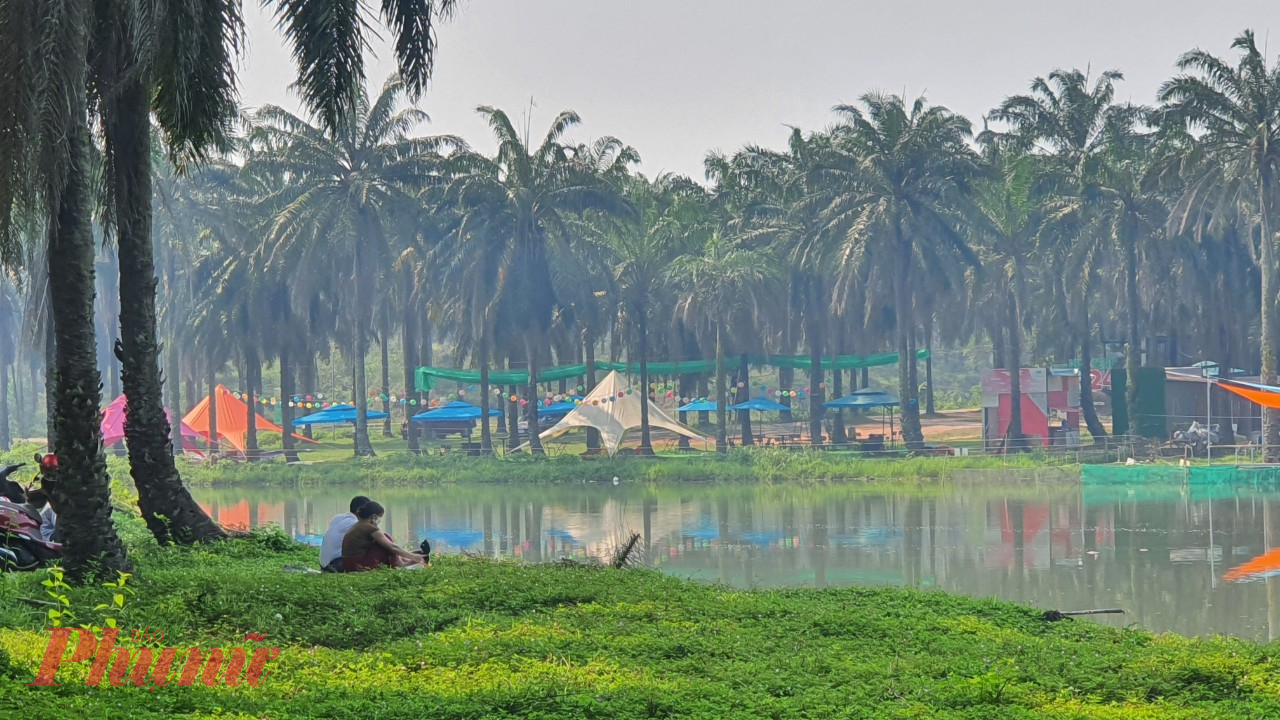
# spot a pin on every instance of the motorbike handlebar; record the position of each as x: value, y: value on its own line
x: 10, y: 469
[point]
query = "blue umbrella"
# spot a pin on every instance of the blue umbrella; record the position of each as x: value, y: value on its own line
x: 760, y: 404
x: 864, y: 399
x: 456, y: 410
x: 564, y: 407
x: 698, y: 406
x: 337, y: 415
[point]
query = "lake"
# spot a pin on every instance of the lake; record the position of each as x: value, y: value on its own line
x: 1187, y: 560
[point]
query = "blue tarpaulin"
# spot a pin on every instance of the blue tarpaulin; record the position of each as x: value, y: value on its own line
x: 336, y: 415
x: 760, y: 404
x: 456, y: 410
x: 864, y: 399
x: 698, y: 406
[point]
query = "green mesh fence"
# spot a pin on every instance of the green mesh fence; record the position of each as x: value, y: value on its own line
x: 1194, y: 475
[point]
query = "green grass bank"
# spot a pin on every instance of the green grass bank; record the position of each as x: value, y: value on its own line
x: 739, y: 466
x: 480, y: 639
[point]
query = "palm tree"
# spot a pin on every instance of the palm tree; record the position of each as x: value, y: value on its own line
x: 892, y: 174
x: 1005, y: 218
x: 516, y: 202
x: 638, y: 248
x: 45, y: 172
x: 1075, y: 125
x: 1237, y: 111
x: 345, y: 184
x: 714, y: 285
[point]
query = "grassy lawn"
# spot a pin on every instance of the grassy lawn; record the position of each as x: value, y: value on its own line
x: 479, y: 639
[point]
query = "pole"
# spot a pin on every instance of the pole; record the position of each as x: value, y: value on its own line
x: 1208, y: 418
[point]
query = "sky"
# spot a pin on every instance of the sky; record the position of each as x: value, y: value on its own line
x: 678, y: 78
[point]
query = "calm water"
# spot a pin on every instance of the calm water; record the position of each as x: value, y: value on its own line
x: 1165, y: 555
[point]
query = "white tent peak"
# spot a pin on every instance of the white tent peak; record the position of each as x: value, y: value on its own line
x: 613, y: 411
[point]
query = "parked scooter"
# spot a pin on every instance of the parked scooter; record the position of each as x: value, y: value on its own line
x: 21, y: 545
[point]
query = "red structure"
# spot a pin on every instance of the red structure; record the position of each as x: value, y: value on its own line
x: 1050, y: 405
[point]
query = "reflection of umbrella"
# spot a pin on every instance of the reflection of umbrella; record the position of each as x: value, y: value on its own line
x: 563, y: 536
x: 314, y: 540
x: 1264, y: 566
x: 459, y: 538
x: 760, y: 538
x: 702, y: 533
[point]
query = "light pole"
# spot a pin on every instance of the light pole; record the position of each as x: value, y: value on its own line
x: 1209, y: 370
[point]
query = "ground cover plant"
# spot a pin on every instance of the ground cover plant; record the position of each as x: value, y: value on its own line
x: 475, y: 638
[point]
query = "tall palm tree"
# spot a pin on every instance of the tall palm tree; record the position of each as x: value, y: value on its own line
x: 45, y: 171
x: 715, y: 285
x: 892, y: 174
x: 345, y: 184
x: 517, y: 201
x: 1074, y: 124
x: 638, y: 249
x: 1237, y: 111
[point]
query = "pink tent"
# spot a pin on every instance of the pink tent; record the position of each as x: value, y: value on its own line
x: 113, y: 425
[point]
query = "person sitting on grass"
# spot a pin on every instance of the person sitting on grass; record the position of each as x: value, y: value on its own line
x: 331, y: 545
x: 367, y: 547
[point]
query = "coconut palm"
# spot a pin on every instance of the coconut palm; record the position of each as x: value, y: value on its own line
x: 1236, y: 111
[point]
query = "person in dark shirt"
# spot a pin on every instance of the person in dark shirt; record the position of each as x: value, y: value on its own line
x: 367, y: 547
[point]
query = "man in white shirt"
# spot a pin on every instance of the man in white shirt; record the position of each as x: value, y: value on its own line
x: 331, y: 545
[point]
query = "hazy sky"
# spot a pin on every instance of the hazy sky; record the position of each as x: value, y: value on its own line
x: 676, y: 78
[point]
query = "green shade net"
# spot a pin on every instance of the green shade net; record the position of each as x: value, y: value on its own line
x: 426, y: 377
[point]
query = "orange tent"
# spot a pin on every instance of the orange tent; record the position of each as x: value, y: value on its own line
x: 232, y: 420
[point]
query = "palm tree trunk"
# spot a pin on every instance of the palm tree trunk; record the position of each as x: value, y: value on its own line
x: 170, y: 512
x: 744, y: 394
x: 409, y: 343
x: 172, y: 381
x: 911, y: 433
x: 929, y: 408
x: 288, y: 389
x: 363, y: 447
x: 816, y: 394
x: 384, y: 333
x: 1268, y: 332
x: 646, y: 443
x: 213, y: 410
x: 1086, y: 363
x: 50, y: 374
x: 722, y: 438
x: 486, y: 395
x: 1013, y: 363
x: 531, y: 407
x: 251, y: 369
x: 589, y: 349
x: 82, y: 493
x: 6, y: 440
x: 1131, y: 355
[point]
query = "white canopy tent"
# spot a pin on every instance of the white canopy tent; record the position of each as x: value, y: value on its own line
x: 613, y: 411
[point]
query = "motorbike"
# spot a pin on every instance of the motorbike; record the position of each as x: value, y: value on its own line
x: 21, y: 545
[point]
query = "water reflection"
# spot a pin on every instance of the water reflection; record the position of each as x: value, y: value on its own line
x: 1165, y: 555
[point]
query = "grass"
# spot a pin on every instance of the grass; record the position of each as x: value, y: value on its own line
x: 480, y: 639
x: 739, y: 466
